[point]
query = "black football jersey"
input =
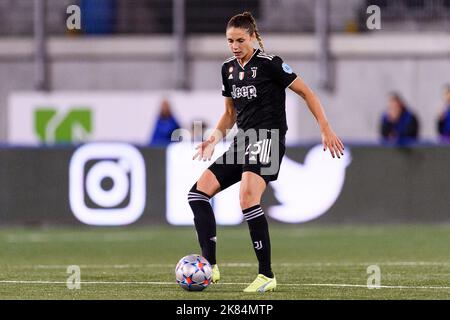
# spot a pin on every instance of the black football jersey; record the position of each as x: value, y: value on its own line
x: 258, y: 90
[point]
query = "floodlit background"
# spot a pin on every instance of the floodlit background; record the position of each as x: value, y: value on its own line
x: 91, y: 90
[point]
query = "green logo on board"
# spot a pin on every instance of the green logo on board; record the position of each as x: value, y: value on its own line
x: 53, y: 126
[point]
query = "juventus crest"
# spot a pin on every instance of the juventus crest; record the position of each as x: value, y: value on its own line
x: 254, y: 72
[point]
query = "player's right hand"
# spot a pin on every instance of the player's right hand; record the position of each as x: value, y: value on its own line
x: 205, y: 150
x: 331, y: 142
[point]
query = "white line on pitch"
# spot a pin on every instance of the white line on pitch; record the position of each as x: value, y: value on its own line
x: 337, y: 285
x: 240, y: 265
x: 84, y: 282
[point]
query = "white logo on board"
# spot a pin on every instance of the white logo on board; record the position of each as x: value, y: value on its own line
x: 107, y: 184
x: 304, y: 191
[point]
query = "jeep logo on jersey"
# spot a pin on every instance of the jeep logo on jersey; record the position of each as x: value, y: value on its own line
x: 248, y: 92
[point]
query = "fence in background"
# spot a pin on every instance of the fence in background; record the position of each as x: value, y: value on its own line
x: 206, y: 16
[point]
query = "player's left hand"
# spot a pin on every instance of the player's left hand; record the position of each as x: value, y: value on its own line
x: 205, y: 150
x: 331, y: 142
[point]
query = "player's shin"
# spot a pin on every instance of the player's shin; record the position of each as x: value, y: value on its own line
x: 259, y: 232
x: 205, y: 223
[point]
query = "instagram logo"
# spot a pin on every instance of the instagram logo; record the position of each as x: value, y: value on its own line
x: 107, y: 184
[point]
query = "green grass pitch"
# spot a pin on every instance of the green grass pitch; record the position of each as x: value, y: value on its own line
x: 310, y: 262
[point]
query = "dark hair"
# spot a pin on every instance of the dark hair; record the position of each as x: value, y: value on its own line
x: 246, y: 21
x: 397, y: 97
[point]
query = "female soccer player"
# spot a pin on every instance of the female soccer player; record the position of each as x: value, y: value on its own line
x: 253, y: 84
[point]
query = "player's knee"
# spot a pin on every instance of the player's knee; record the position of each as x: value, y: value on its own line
x: 208, y: 184
x: 196, y: 189
x: 248, y: 198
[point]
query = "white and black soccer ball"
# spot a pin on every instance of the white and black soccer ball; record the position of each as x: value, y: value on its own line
x: 193, y: 272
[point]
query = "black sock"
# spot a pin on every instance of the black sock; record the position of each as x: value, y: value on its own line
x: 259, y: 232
x: 205, y: 223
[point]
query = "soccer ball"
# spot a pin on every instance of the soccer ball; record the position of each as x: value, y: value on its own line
x: 193, y: 272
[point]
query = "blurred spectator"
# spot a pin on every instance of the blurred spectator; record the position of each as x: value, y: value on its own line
x: 444, y: 118
x: 164, y: 127
x: 99, y: 16
x: 399, y: 124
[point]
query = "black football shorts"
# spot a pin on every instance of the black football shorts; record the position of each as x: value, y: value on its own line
x: 260, y: 152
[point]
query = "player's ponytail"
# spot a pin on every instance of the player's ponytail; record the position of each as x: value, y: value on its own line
x: 246, y: 21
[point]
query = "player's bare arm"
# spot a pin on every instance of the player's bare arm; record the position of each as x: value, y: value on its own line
x: 329, y: 139
x: 226, y: 122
